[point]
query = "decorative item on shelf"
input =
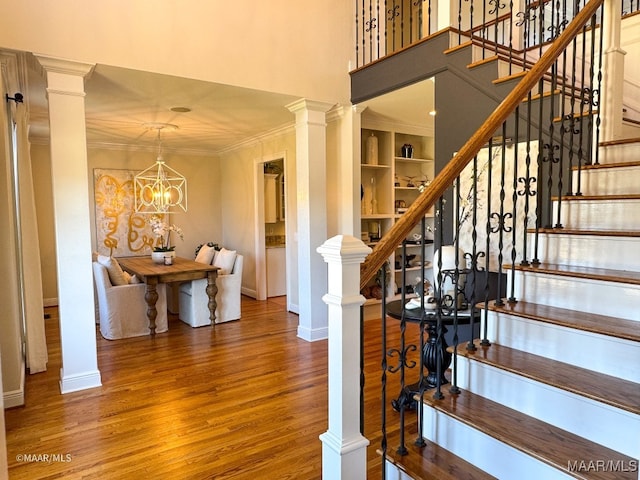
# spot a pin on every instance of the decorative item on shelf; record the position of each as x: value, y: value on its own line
x: 407, y: 150
x: 374, y: 231
x: 163, y: 247
x: 159, y: 188
x: 401, y: 206
x: 372, y: 150
x: 410, y: 183
x: 424, y: 183
x: 396, y: 182
x: 374, y: 196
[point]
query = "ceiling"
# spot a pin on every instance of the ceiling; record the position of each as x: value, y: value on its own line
x: 119, y: 103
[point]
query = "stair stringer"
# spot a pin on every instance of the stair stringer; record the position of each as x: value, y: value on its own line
x: 616, y: 428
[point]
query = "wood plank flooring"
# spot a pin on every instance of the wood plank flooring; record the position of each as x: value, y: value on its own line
x: 245, y: 400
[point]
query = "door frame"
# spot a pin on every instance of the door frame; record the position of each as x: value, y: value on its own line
x: 259, y: 226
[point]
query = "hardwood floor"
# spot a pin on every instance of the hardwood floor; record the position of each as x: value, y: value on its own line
x: 245, y: 400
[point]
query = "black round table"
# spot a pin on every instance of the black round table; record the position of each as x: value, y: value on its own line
x: 435, y: 347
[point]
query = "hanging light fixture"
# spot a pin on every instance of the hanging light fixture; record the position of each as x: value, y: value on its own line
x: 160, y: 189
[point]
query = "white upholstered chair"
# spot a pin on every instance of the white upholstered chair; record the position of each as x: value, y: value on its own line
x: 123, y: 309
x: 194, y: 301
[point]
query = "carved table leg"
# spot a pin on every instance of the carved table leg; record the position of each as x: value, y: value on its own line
x: 151, y: 297
x: 212, y: 291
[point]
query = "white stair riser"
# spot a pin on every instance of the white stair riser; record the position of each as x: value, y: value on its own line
x: 599, y: 353
x: 607, y: 425
x: 394, y: 473
x: 608, y: 181
x: 618, y: 253
x: 629, y: 152
x: 600, y: 215
x: 485, y: 452
x: 587, y: 295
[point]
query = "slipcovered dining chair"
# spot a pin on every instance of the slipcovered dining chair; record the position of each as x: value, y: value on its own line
x: 193, y: 298
x: 123, y: 309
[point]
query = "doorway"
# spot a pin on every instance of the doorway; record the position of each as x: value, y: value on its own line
x: 272, y: 265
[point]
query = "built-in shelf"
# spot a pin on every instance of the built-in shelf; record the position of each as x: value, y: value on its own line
x: 380, y: 193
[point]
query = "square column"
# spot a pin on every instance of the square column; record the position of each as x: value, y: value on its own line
x: 311, y: 181
x: 70, y: 178
x: 344, y: 449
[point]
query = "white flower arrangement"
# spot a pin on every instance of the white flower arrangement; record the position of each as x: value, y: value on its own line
x: 162, y: 231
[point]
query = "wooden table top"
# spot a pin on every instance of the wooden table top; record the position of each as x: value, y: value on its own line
x: 182, y: 269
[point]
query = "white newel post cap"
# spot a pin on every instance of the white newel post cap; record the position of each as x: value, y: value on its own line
x: 348, y: 251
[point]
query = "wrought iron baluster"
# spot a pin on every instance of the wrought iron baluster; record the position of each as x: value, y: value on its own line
x: 471, y: 346
x: 527, y: 181
x: 485, y: 340
x: 501, y: 218
x: 582, y: 106
x: 598, y: 120
x: 419, y: 441
x: 439, y: 299
x: 514, y: 199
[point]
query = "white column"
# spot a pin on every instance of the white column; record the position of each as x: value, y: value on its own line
x: 70, y: 178
x: 311, y: 183
x: 344, y: 449
x: 612, y: 73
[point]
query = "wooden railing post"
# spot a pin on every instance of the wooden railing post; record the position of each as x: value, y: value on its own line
x: 344, y: 449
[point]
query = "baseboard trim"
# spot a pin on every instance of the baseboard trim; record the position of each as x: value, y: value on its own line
x: 249, y: 292
x: 83, y: 381
x: 15, y: 398
x: 313, y: 335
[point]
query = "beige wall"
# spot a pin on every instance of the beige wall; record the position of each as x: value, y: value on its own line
x: 248, y: 44
x: 41, y: 165
x: 201, y: 223
x: 238, y: 191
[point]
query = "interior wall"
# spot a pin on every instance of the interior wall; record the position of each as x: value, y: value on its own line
x: 41, y: 166
x: 192, y: 39
x: 200, y: 223
x: 10, y: 339
x: 238, y: 196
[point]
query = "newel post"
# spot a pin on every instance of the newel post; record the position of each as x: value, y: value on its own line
x: 344, y: 449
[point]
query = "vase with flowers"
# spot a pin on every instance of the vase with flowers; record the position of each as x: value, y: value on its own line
x: 163, y: 251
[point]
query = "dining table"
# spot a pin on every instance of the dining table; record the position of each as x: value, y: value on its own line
x: 180, y: 270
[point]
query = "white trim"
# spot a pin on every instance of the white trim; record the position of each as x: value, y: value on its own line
x: 313, y: 335
x: 78, y: 382
x: 15, y: 398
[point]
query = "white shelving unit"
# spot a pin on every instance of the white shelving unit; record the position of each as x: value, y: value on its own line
x: 389, y: 187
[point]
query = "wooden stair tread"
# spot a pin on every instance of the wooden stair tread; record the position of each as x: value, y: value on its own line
x: 538, y: 439
x: 588, y: 322
x: 595, y: 233
x: 622, y: 394
x: 623, y: 141
x: 604, y: 166
x: 606, y: 274
x: 580, y: 198
x: 431, y: 462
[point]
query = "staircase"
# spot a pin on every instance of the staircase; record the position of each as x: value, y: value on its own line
x: 557, y: 394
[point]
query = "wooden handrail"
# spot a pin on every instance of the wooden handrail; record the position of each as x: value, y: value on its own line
x: 446, y: 177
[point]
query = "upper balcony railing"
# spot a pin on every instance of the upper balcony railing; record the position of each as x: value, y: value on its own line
x: 384, y: 27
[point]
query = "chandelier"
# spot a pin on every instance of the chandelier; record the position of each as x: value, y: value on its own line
x: 160, y: 189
